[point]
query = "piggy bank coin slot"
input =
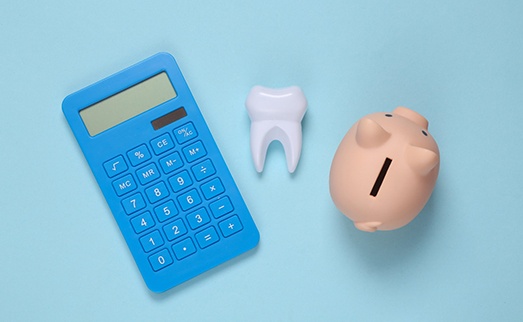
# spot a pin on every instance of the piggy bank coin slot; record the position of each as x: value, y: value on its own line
x: 381, y: 177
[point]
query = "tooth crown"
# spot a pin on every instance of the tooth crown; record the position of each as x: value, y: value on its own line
x: 276, y: 114
x: 287, y: 103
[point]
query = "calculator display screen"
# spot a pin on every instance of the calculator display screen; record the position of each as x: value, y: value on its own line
x: 127, y: 104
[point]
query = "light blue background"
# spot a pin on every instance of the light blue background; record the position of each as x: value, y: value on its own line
x: 459, y: 63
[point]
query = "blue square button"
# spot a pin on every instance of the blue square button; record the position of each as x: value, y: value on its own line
x: 151, y: 241
x: 212, y: 188
x: 221, y: 207
x: 171, y: 162
x: 115, y: 166
x: 162, y: 144
x: 160, y: 260
x: 194, y: 151
x: 124, y: 185
x: 230, y: 226
x: 207, y: 237
x: 185, y: 133
x: 139, y: 155
x: 157, y: 192
x: 133, y: 203
x: 184, y: 249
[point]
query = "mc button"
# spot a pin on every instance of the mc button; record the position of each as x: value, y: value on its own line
x: 124, y: 185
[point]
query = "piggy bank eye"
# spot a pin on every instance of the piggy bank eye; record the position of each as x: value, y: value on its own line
x: 388, y: 115
x: 424, y: 132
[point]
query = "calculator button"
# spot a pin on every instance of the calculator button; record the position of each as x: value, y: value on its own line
x: 198, y: 218
x: 139, y: 155
x: 142, y: 222
x: 212, y: 188
x: 230, y: 226
x: 115, y: 166
x: 157, y: 192
x: 171, y: 162
x: 133, y: 203
x: 189, y: 199
x: 221, y: 207
x: 207, y: 237
x: 166, y: 211
x: 175, y: 229
x: 148, y: 174
x: 160, y: 260
x: 180, y: 181
x: 185, y: 133
x: 203, y: 170
x: 151, y: 241
x: 194, y: 151
x: 184, y: 249
x: 162, y: 144
x: 124, y: 185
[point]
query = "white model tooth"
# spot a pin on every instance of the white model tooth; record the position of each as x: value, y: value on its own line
x: 276, y: 114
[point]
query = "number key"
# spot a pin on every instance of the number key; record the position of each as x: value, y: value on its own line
x: 157, y: 192
x: 175, y: 229
x: 180, y: 181
x: 160, y: 260
x: 198, y: 218
x: 189, y: 199
x: 133, y: 203
x: 151, y: 241
x: 166, y: 211
x: 142, y: 222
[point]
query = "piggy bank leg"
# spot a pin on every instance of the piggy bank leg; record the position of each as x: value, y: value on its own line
x: 371, y: 226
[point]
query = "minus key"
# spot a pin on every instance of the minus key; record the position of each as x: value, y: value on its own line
x: 221, y: 207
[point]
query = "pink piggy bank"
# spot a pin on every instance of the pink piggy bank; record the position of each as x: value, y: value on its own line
x: 384, y: 170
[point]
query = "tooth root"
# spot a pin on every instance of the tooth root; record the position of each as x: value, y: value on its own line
x: 264, y: 133
x: 276, y: 115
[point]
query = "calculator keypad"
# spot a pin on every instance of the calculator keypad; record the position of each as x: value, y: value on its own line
x: 179, y: 200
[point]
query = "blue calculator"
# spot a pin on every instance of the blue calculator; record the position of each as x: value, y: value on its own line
x: 160, y: 172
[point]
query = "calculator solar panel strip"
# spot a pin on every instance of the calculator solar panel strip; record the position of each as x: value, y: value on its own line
x: 161, y: 173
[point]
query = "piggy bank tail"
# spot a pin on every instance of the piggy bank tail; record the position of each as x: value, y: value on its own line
x: 370, y: 226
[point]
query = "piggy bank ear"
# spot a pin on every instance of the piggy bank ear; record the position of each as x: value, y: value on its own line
x: 421, y: 160
x: 370, y: 134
